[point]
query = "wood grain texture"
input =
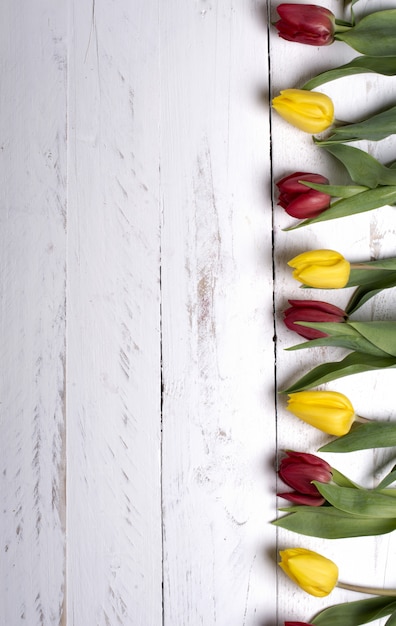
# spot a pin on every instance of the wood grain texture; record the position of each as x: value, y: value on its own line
x: 139, y: 419
x: 218, y: 426
x: 114, y: 383
x: 33, y: 291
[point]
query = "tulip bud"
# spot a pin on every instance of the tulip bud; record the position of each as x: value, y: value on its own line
x: 310, y: 111
x: 311, y: 311
x: 306, y: 23
x: 311, y: 571
x: 299, y: 469
x: 330, y: 411
x: 300, y: 498
x: 323, y: 269
x: 299, y: 200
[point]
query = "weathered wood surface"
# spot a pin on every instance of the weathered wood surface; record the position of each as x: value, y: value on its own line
x: 33, y: 311
x: 138, y: 406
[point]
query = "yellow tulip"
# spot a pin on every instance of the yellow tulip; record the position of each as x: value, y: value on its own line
x: 309, y: 111
x: 311, y: 571
x: 330, y: 411
x: 324, y: 269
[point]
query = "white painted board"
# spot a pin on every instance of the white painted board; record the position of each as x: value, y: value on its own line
x: 139, y: 415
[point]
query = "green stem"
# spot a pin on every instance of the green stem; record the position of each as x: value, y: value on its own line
x: 362, y: 266
x: 374, y: 591
x: 362, y: 420
x: 341, y: 27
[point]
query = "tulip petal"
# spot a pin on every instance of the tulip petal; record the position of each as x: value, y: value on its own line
x: 322, y: 269
x: 313, y: 572
x: 309, y: 111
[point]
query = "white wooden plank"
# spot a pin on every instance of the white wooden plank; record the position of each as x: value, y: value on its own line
x: 33, y: 58
x: 175, y: 90
x: 363, y: 561
x: 114, y: 514
x: 218, y: 420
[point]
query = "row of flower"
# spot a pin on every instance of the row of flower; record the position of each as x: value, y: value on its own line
x: 324, y: 502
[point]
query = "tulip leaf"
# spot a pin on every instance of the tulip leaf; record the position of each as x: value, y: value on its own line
x: 367, y: 503
x: 388, y: 480
x: 374, y: 128
x: 359, y: 65
x: 385, y: 280
x: 388, y: 264
x: 392, y: 620
x: 363, y: 168
x: 381, y: 334
x: 358, y: 203
x: 342, y: 335
x: 330, y: 523
x: 364, y: 437
x: 343, y: 481
x: 357, y: 612
x: 354, y: 363
x: 374, y: 34
x: 337, y: 191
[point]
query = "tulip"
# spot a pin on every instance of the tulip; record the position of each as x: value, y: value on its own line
x: 299, y: 200
x: 324, y: 269
x: 330, y: 411
x: 311, y: 571
x: 311, y: 311
x: 306, y: 23
x: 309, y: 111
x: 300, y: 498
x: 298, y: 470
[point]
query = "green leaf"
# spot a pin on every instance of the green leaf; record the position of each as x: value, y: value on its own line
x: 359, y: 203
x: 363, y: 293
x: 364, y: 437
x: 364, y: 275
x: 354, y: 363
x: 330, y: 523
x: 374, y: 34
x: 359, y: 65
x: 356, y: 613
x: 381, y: 334
x: 342, y: 480
x: 374, y: 128
x: 337, y: 191
x: 392, y: 620
x: 388, y: 480
x: 343, y: 335
x: 363, y: 168
x: 388, y: 264
x: 368, y: 503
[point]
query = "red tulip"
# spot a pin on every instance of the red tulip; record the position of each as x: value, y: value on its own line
x: 299, y: 200
x: 300, y: 498
x: 298, y: 470
x: 311, y: 311
x: 306, y: 23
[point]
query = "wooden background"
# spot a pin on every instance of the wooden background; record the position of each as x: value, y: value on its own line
x: 139, y: 419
